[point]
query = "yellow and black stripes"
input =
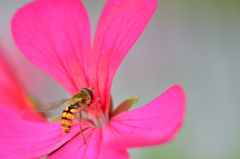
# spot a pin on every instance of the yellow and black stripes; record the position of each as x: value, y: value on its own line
x: 68, y: 116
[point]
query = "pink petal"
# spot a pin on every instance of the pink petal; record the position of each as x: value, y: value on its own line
x: 11, y: 93
x: 93, y: 149
x: 28, y: 139
x: 31, y: 116
x: 119, y: 27
x: 26, y: 114
x: 55, y: 35
x: 155, y: 123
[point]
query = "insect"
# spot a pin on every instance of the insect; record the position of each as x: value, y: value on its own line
x: 76, y: 104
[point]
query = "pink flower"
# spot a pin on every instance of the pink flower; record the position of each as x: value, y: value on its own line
x: 55, y: 35
x: 11, y: 92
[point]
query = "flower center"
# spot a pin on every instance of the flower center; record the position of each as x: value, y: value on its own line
x: 98, y: 118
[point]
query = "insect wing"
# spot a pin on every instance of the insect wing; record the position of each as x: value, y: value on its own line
x: 51, y: 106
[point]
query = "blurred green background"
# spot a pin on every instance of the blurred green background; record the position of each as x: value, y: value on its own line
x: 195, y: 43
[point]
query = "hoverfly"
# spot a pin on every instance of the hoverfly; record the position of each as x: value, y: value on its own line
x: 76, y: 104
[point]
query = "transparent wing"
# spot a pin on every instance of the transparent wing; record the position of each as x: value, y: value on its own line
x: 51, y: 106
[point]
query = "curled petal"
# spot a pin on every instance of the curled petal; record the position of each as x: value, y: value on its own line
x: 152, y: 124
x: 120, y: 25
x: 93, y: 149
x: 55, y: 36
x: 23, y: 139
x: 11, y: 93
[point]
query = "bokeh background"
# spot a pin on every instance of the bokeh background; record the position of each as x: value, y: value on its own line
x: 195, y: 43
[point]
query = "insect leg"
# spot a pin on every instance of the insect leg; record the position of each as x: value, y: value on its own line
x: 81, y: 127
x: 62, y: 136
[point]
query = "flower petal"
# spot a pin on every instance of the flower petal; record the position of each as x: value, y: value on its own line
x: 92, y: 150
x: 11, y: 91
x: 55, y: 35
x: 29, y: 139
x: 31, y: 116
x: 119, y: 27
x: 155, y: 123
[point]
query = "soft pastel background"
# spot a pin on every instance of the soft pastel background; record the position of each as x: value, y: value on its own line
x: 195, y: 43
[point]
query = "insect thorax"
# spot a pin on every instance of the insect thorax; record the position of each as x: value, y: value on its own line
x: 82, y: 97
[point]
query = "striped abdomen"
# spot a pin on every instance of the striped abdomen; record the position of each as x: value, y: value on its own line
x: 68, y: 116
